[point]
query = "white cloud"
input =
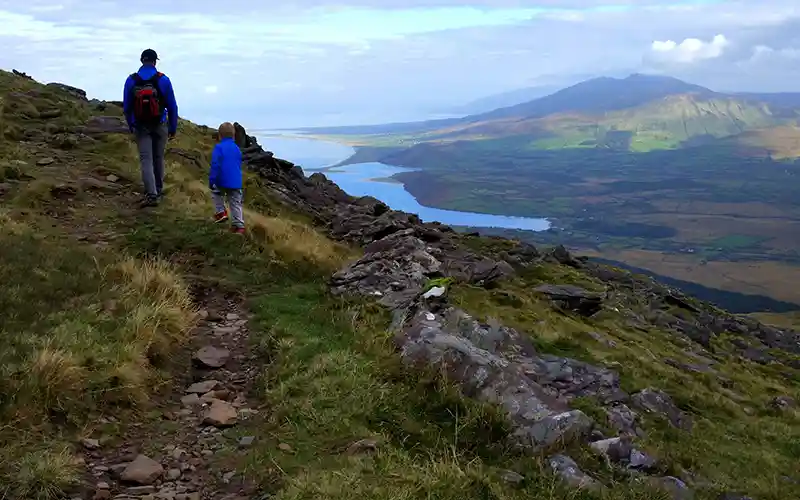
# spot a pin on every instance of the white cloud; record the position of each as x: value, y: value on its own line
x: 211, y: 89
x: 690, y: 50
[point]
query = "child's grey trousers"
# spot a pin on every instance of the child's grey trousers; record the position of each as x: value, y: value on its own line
x: 235, y: 198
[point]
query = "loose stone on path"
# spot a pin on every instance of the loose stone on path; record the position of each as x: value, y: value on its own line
x: 220, y: 414
x: 212, y: 357
x: 143, y: 470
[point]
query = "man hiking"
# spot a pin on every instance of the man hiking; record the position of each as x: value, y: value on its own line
x: 147, y: 102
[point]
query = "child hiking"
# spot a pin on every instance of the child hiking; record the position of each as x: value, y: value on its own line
x: 225, y: 179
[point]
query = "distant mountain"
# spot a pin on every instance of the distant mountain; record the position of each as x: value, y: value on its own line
x: 638, y: 112
x: 599, y: 95
x: 591, y: 96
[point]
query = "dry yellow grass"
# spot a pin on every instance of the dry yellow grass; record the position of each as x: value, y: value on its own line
x: 293, y: 240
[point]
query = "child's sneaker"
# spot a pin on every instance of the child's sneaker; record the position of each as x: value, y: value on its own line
x: 221, y: 216
x: 237, y: 230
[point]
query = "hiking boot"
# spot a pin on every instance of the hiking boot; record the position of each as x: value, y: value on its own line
x: 237, y: 230
x: 221, y: 216
x: 150, y: 201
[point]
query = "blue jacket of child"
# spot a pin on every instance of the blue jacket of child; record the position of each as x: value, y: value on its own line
x: 226, y: 165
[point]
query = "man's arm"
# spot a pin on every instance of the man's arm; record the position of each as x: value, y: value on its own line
x: 126, y: 102
x: 172, y: 104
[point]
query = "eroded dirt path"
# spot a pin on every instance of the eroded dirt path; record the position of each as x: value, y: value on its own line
x: 187, y: 443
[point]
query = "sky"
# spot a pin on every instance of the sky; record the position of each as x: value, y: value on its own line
x: 335, y: 62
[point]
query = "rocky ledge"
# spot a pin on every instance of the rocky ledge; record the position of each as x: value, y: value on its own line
x: 495, y: 364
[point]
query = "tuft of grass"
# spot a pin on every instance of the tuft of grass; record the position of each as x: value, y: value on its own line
x: 292, y: 240
x: 38, y: 473
x: 82, y: 332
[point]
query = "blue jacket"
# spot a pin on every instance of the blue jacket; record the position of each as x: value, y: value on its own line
x: 226, y: 165
x: 164, y: 89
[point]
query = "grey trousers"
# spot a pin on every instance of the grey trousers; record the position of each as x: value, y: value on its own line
x: 152, y: 141
x: 235, y: 201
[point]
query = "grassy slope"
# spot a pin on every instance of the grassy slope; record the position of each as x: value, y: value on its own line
x: 101, y: 298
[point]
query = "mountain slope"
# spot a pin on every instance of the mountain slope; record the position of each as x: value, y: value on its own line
x: 338, y: 379
x: 666, y: 122
x: 599, y: 95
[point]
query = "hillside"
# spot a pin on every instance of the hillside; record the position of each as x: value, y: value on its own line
x: 341, y: 349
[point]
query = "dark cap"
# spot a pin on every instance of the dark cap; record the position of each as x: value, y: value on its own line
x: 149, y: 55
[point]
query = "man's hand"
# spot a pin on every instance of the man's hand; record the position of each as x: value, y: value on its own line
x: 171, y: 136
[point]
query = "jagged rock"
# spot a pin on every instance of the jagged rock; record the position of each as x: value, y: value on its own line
x: 783, y: 403
x: 240, y: 136
x: 63, y: 191
x: 362, y: 446
x: 72, y: 91
x: 220, y: 414
x: 640, y: 460
x: 615, y: 450
x: 203, y: 387
x: 212, y: 357
x: 469, y: 353
x: 512, y: 477
x: 562, y: 256
x: 655, y: 401
x: 623, y: 419
x: 394, y: 269
x: 99, y: 126
x: 571, y: 474
x: 143, y: 470
x: 191, y: 400
x: 90, y: 444
x: 573, y: 298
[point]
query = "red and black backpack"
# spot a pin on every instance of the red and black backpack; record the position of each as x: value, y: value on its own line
x: 147, y: 105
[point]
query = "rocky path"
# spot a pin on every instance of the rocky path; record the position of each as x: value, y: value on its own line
x: 186, y: 451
